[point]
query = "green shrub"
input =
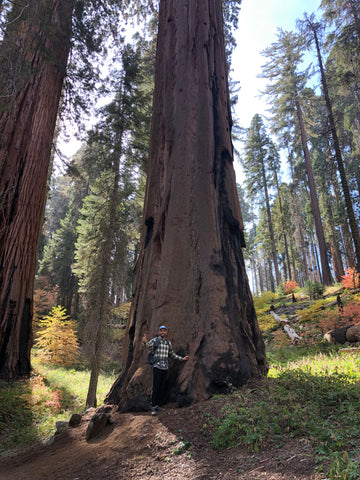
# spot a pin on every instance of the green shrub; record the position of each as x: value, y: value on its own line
x: 264, y: 300
x: 314, y: 289
x: 343, y: 467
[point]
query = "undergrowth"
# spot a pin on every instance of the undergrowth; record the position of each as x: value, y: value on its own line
x: 30, y: 408
x: 314, y: 398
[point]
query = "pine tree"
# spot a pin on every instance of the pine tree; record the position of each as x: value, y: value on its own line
x: 103, y: 233
x: 287, y: 91
x: 257, y: 162
x: 58, y: 258
x: 310, y: 25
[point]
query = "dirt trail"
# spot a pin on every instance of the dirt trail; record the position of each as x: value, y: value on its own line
x: 142, y: 447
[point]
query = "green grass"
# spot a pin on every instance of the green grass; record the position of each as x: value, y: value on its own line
x: 30, y: 408
x: 313, y: 397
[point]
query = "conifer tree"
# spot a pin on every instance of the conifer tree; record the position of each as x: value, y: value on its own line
x: 309, y: 24
x: 103, y: 233
x: 257, y: 162
x: 58, y: 258
x: 286, y: 91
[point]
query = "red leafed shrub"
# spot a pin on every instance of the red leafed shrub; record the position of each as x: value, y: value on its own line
x: 351, y: 279
x: 331, y: 320
x: 290, y: 286
x: 351, y: 312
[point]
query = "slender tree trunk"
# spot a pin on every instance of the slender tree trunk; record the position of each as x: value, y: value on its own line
x: 100, y: 310
x: 271, y: 229
x: 299, y: 236
x: 345, y: 187
x: 27, y: 127
x: 315, y: 261
x: 269, y: 275
x: 261, y: 276
x: 333, y: 239
x: 254, y: 275
x: 344, y: 226
x: 190, y: 273
x: 326, y: 275
x: 286, y: 246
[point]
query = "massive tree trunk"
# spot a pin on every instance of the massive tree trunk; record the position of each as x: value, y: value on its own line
x: 37, y: 48
x: 190, y: 272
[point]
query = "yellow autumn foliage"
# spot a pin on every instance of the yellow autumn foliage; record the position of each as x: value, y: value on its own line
x: 57, y: 340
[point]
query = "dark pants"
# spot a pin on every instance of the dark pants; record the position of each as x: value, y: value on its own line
x: 159, y: 377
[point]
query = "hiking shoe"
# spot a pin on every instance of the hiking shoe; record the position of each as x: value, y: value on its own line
x: 158, y: 409
x: 153, y: 410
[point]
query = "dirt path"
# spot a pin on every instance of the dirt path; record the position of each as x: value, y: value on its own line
x: 142, y: 447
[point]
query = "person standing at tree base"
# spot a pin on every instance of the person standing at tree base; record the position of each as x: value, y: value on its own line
x: 162, y: 349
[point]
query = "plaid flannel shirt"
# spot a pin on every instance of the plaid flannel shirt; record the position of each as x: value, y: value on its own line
x: 162, y: 352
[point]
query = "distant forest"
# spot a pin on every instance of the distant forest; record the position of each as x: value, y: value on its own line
x: 302, y: 226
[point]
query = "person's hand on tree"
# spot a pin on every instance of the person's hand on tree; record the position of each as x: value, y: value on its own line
x: 186, y: 358
x: 144, y: 339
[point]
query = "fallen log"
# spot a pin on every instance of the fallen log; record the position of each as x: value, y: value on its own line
x: 350, y: 350
x: 295, y: 338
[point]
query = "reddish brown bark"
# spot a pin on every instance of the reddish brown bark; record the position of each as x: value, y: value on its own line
x: 190, y: 273
x: 325, y: 269
x: 27, y: 128
x: 338, y: 156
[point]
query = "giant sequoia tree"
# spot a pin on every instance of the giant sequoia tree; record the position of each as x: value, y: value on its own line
x: 190, y: 271
x: 33, y: 57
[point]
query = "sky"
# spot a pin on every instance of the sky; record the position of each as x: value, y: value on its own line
x: 257, y: 29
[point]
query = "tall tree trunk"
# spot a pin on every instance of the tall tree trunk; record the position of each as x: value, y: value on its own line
x: 27, y: 127
x: 326, y: 275
x: 254, y: 276
x: 344, y: 226
x: 271, y: 229
x: 190, y: 272
x: 333, y: 239
x: 344, y: 183
x: 286, y: 261
x: 299, y: 236
x: 315, y: 261
x: 261, y: 276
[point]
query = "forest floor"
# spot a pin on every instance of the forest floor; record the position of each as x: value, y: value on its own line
x: 175, y: 444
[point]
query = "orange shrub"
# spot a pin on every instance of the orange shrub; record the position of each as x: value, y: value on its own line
x: 351, y: 279
x: 331, y: 320
x: 280, y: 339
x: 351, y: 313
x: 290, y: 286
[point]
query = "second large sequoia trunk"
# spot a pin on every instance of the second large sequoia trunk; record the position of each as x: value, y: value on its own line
x: 190, y: 273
